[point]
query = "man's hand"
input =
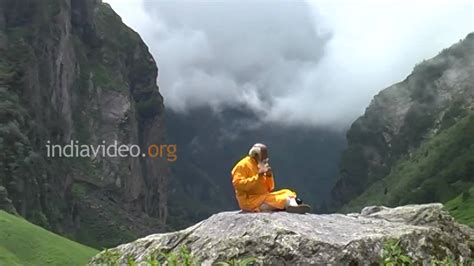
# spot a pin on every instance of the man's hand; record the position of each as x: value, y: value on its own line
x: 265, y: 169
x: 269, y: 172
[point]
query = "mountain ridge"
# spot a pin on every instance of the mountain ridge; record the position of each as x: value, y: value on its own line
x: 402, y: 119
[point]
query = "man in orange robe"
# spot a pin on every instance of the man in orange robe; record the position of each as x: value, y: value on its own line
x: 253, y: 182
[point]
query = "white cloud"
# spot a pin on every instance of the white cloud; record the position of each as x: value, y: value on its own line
x: 318, y: 63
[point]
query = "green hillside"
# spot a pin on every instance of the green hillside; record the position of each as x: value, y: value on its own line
x: 462, y: 207
x: 23, y: 243
x: 440, y: 170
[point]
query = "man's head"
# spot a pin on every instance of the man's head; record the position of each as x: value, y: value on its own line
x: 259, y: 151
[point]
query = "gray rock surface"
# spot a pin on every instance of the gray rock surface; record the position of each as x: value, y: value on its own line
x: 282, y: 238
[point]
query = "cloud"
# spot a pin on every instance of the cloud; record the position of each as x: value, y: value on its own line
x: 316, y: 63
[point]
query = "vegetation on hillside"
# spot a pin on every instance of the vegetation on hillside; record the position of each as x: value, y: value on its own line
x: 462, y: 207
x: 438, y: 171
x: 401, y: 119
x: 23, y: 243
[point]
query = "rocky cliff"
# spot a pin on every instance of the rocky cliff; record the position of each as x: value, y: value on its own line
x: 71, y: 70
x: 424, y: 232
x: 414, y: 142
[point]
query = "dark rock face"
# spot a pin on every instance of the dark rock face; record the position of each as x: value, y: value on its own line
x: 71, y: 70
x: 437, y: 94
x: 5, y: 202
x: 424, y: 231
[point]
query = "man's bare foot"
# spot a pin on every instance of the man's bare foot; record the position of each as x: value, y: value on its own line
x: 301, y: 209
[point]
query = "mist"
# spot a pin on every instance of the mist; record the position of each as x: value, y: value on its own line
x: 313, y: 63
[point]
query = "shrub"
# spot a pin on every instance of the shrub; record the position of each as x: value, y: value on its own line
x: 393, y: 254
x: 109, y: 258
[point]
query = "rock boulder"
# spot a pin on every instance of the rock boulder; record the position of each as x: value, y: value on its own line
x: 280, y: 238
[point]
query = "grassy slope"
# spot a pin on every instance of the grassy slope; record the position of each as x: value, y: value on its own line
x: 438, y: 171
x: 23, y: 243
x: 462, y: 207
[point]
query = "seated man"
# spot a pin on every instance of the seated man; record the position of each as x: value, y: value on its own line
x: 253, y: 182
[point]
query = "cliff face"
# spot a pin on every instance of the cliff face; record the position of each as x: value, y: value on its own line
x: 424, y: 232
x: 71, y: 70
x: 414, y: 142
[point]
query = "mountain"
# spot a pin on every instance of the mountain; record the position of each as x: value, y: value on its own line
x: 415, y: 141
x: 70, y: 70
x: 424, y: 233
x: 210, y: 143
x: 23, y: 243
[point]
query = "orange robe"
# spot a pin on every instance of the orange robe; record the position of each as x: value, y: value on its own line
x: 252, y: 190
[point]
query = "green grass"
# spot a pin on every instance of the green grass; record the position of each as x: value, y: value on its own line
x: 462, y: 207
x: 438, y: 171
x: 23, y: 243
